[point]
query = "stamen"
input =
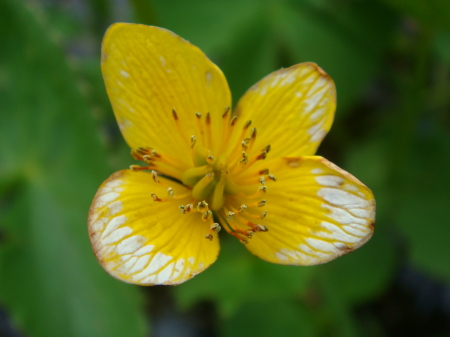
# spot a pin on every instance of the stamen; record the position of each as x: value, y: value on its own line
x: 225, y: 112
x: 244, y: 159
x: 170, y: 192
x: 180, y: 129
x: 262, y: 203
x: 200, y: 126
x: 225, y: 126
x: 155, y: 198
x: 261, y: 228
x: 266, y: 149
x: 272, y: 177
x: 136, y: 168
x: 242, y: 208
x: 155, y: 176
x: 263, y: 171
x: 155, y: 154
x: 193, y: 141
x: 209, y: 141
x: 215, y: 227
x: 230, y: 215
x: 262, y: 180
x: 209, y: 237
x: 244, y: 145
x: 202, y: 206
x: 233, y: 120
x: 206, y: 215
x: 174, y: 114
x: 209, y: 159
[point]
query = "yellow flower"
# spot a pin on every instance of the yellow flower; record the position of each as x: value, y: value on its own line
x: 252, y: 171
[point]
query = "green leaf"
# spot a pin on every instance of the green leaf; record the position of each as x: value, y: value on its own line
x: 50, y: 281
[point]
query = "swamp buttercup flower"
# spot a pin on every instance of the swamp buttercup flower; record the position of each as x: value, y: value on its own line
x: 251, y: 172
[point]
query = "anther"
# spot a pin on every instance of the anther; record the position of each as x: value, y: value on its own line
x: 244, y: 145
x: 155, y: 176
x: 263, y: 188
x: 174, y: 114
x: 198, y: 114
x: 182, y: 209
x: 206, y: 215
x: 262, y: 180
x: 242, y: 208
x: 209, y: 159
x: 230, y: 215
x: 208, y: 118
x: 264, y: 171
x: 253, y: 135
x: 247, y: 124
x: 272, y: 177
x: 244, y: 159
x: 170, y: 192
x: 263, y: 155
x: 155, y: 154
x: 202, y: 206
x: 262, y: 203
x: 266, y: 149
x: 147, y: 159
x: 209, y: 237
x: 225, y: 112
x: 250, y: 234
x: 263, y: 215
x: 193, y: 141
x: 215, y: 227
x: 135, y: 168
x: 233, y: 120
x: 188, y: 208
x: 243, y: 241
x: 155, y: 198
x: 260, y: 228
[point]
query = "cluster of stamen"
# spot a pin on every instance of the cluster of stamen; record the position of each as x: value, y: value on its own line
x: 211, y: 182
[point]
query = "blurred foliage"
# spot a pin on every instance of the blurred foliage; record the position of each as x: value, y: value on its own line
x: 390, y: 60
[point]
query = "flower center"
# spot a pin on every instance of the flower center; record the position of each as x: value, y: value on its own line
x: 216, y: 181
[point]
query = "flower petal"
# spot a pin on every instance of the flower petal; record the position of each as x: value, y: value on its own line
x: 316, y: 212
x: 150, y: 70
x: 138, y: 240
x: 292, y: 109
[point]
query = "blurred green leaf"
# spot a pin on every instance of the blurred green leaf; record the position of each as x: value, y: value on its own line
x: 423, y: 207
x: 346, y: 41
x: 364, y: 274
x: 433, y: 13
x: 270, y: 318
x: 49, y: 148
x: 238, y: 277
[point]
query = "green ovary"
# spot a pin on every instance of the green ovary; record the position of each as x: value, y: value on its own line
x: 209, y: 181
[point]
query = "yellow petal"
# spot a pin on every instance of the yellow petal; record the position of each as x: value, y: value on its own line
x: 142, y: 241
x: 292, y: 109
x: 150, y: 70
x: 316, y: 212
